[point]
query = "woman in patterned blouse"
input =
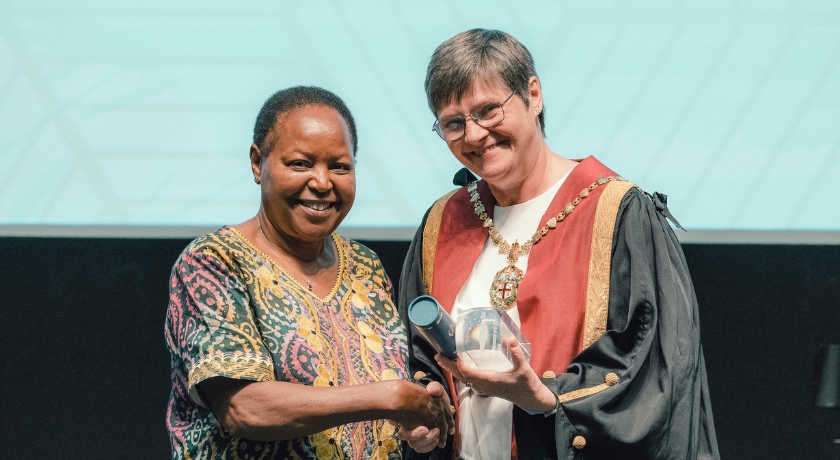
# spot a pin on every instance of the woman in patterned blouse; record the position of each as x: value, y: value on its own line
x: 283, y: 336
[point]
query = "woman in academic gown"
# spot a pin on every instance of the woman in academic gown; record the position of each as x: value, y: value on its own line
x: 583, y: 261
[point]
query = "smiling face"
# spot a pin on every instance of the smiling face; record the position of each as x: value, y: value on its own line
x: 307, y: 177
x: 505, y: 154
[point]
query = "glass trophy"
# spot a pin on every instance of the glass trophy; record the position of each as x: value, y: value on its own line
x: 481, y: 336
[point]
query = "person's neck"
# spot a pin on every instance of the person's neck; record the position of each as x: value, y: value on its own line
x: 536, y: 179
x: 304, y: 252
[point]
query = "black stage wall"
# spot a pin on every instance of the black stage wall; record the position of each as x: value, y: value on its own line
x: 85, y: 372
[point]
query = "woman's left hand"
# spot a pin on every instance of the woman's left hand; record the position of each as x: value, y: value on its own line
x: 519, y: 385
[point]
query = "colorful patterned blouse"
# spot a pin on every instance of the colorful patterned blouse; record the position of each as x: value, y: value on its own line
x: 235, y: 313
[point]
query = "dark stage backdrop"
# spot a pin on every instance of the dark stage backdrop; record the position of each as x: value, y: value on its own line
x: 85, y: 372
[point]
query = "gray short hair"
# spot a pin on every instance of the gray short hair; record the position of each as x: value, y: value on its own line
x: 478, y: 53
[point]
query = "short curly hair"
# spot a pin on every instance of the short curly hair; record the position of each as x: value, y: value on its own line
x: 292, y: 98
x: 478, y: 53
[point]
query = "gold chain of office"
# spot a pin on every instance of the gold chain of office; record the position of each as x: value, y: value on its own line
x: 506, y: 281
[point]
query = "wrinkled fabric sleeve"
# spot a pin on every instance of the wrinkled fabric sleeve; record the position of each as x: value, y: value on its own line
x: 421, y: 362
x: 211, y: 328
x: 659, y: 408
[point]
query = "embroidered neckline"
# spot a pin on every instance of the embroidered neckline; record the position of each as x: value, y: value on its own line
x: 342, y: 266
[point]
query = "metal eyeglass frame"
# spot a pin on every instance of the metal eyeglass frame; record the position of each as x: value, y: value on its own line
x: 476, y: 119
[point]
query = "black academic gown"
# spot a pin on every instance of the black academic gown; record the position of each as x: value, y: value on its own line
x: 661, y: 408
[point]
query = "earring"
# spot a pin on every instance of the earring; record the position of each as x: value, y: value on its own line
x: 256, y: 180
x: 537, y: 109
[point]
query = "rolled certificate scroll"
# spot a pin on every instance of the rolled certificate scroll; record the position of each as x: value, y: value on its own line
x: 434, y: 324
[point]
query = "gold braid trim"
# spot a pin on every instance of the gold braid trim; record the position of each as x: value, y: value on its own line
x: 610, y: 380
x: 600, y: 258
x: 430, y: 238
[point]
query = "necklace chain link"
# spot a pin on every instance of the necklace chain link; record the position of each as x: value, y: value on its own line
x: 516, y: 250
x: 505, y: 286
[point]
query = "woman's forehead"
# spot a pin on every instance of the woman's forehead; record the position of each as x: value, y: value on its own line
x: 311, y: 121
x: 479, y: 89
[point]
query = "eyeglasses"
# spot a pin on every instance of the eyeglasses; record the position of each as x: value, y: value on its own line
x: 452, y: 129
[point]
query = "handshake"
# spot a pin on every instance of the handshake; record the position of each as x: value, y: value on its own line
x: 428, y: 417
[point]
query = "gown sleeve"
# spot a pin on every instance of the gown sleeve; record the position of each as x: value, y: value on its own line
x: 658, y: 407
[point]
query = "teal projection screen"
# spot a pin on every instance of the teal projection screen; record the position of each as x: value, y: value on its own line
x: 136, y: 117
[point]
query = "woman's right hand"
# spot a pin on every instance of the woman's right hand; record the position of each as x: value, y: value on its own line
x: 426, y: 419
x: 519, y: 385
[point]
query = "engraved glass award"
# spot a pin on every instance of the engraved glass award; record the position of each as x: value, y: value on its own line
x: 481, y: 336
